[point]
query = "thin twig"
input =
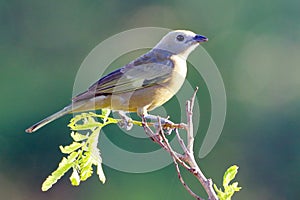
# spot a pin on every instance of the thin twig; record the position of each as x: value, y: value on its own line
x: 175, y: 160
x: 190, y: 130
x: 183, y: 183
x: 154, y: 136
x: 206, y: 183
x: 178, y: 157
x: 187, y: 160
x: 180, y: 141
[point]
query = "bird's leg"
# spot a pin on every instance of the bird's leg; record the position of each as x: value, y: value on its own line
x: 154, y: 136
x: 125, y: 122
x: 154, y: 118
x: 166, y: 124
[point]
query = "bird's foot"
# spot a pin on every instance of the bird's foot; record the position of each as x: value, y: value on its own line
x: 125, y: 122
x: 164, y: 123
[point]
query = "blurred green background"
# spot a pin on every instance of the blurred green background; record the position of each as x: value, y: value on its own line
x: 255, y: 44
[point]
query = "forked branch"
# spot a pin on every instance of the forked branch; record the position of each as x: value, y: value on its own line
x: 187, y: 159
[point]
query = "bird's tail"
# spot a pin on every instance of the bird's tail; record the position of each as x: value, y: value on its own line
x: 49, y: 119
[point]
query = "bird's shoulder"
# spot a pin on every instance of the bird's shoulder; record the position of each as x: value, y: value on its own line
x: 155, y: 56
x: 154, y: 62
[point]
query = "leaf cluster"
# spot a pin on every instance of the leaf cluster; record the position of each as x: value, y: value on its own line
x: 229, y: 189
x: 82, y: 153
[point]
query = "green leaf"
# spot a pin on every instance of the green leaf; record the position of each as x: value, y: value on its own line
x: 100, y: 173
x: 230, y: 175
x: 77, y: 137
x: 217, y: 189
x: 79, y: 127
x: 97, y: 160
x: 83, y: 151
x: 86, y: 169
x: 229, y: 189
x: 63, y: 167
x: 70, y: 148
x: 105, y: 112
x: 74, y: 178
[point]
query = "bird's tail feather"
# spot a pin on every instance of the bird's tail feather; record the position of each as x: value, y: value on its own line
x: 49, y: 119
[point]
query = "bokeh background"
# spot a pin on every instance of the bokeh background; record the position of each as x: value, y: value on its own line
x: 255, y: 44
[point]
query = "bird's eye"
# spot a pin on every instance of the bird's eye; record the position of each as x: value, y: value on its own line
x: 180, y: 38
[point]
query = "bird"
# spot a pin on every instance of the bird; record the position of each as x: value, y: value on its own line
x: 141, y: 85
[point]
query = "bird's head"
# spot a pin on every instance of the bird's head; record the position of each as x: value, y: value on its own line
x: 180, y: 42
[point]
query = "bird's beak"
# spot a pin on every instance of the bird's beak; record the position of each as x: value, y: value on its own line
x: 200, y: 38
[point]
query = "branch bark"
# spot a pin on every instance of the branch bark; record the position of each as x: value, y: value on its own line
x: 187, y: 159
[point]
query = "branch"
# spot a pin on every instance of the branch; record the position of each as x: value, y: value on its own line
x: 190, y: 129
x: 187, y: 160
x: 183, y: 183
x: 177, y: 159
x: 206, y: 183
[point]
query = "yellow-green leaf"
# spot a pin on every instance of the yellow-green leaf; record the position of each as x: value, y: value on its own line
x: 77, y: 137
x: 229, y: 189
x: 70, y: 148
x: 105, y: 113
x: 86, y: 166
x: 74, y: 178
x: 63, y: 167
x: 100, y: 173
x: 229, y: 175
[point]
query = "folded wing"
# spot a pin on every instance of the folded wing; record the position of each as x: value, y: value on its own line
x: 152, y: 68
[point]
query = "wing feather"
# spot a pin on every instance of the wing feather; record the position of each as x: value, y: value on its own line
x: 152, y: 68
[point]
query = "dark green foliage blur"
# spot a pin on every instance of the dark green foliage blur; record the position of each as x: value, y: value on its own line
x: 255, y: 45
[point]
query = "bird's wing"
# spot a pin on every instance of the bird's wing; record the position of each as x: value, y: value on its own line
x: 152, y: 68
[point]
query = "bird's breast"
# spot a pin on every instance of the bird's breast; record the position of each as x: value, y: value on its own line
x: 179, y: 73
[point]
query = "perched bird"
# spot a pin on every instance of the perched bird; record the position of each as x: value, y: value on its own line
x: 140, y: 86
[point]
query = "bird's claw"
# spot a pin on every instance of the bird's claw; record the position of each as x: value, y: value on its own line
x: 125, y: 122
x: 165, y: 124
